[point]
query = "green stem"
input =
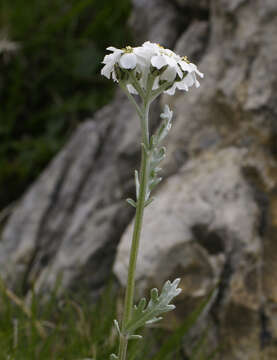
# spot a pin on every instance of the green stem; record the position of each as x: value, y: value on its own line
x: 144, y: 175
x: 131, y: 98
x: 123, y: 347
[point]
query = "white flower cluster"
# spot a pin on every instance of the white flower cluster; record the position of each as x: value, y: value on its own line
x: 150, y: 58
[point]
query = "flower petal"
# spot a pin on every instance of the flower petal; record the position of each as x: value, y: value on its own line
x: 107, y: 70
x: 189, y: 79
x: 112, y: 48
x: 111, y: 58
x: 170, y: 61
x: 185, y: 66
x: 181, y: 85
x: 169, y: 74
x: 158, y: 61
x: 128, y: 61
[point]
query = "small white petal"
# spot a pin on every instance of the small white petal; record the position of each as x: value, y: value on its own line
x: 185, y: 66
x: 194, y: 68
x: 189, y: 79
x: 158, y: 61
x: 169, y: 74
x: 112, y: 48
x: 199, y: 73
x: 170, y: 61
x: 182, y: 86
x: 107, y: 70
x: 111, y: 58
x: 128, y: 61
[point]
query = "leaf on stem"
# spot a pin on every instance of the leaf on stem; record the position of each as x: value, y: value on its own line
x: 149, y: 201
x: 113, y: 357
x: 147, y: 314
x: 131, y: 202
x: 117, y: 327
x: 137, y: 183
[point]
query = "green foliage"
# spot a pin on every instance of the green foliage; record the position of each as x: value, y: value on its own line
x: 52, y: 81
x: 74, y: 328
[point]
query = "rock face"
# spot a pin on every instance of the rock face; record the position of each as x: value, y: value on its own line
x: 214, y: 222
x: 62, y: 223
x: 214, y: 219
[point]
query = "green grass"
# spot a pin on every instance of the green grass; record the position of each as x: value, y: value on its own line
x: 75, y: 328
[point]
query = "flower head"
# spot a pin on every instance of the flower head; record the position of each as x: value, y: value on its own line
x: 150, y: 60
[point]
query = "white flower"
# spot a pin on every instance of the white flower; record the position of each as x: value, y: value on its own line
x: 125, y: 58
x: 170, y: 68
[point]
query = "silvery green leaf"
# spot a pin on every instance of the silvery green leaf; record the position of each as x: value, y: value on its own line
x: 147, y: 195
x: 158, y: 155
x: 154, y: 320
x: 113, y: 357
x: 117, y: 327
x: 167, y: 113
x: 153, y: 141
x: 154, y: 182
x: 134, y: 337
x: 163, y: 130
x: 137, y: 183
x: 131, y: 202
x: 149, y: 201
x: 158, y: 304
x: 146, y: 149
x: 165, y: 126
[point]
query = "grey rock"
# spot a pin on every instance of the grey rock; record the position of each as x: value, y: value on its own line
x: 193, y: 41
x: 214, y: 222
x: 154, y: 20
x: 51, y: 231
x: 194, y: 225
x: 198, y: 5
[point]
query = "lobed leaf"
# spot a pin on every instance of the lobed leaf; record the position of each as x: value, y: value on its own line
x: 158, y: 304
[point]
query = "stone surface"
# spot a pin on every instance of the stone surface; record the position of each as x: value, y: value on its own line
x: 154, y: 20
x: 193, y: 41
x: 195, y: 5
x: 224, y: 131
x: 214, y: 222
x: 203, y: 228
x: 66, y: 222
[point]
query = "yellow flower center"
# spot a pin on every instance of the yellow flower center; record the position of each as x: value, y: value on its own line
x: 185, y: 58
x: 128, y: 49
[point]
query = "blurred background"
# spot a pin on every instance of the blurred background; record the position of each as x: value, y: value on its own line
x: 50, y: 61
x: 68, y: 148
